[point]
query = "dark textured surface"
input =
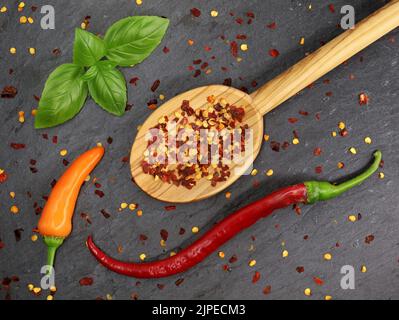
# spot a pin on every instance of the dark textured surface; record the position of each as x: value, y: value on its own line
x: 376, y: 72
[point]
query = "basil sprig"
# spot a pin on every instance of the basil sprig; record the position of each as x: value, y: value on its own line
x: 126, y: 43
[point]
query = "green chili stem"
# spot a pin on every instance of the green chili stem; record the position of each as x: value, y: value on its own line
x: 53, y: 243
x: 323, y: 190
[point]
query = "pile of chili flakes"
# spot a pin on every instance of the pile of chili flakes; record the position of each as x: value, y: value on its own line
x: 216, y: 115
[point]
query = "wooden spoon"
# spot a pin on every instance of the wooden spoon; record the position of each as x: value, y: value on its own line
x: 259, y: 102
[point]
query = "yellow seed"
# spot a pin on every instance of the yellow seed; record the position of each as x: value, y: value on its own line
x: 99, y: 144
x: 23, y: 20
x: 3, y: 9
x: 295, y: 141
x: 244, y: 47
x: 34, y: 112
x: 30, y: 20
x: 214, y: 13
x: 162, y: 243
x: 302, y: 41
x: 367, y: 140
x: 139, y: 2
x: 21, y: 4
x: 30, y: 287
x: 21, y: 119
x: 14, y: 209
x: 32, y: 51
x: 190, y: 42
x: 363, y: 269
x: 327, y: 298
x: 36, y: 290
x: 254, y: 172
x: 132, y: 206
x: 381, y: 175
x: 172, y: 253
x: 221, y: 254
x: 327, y: 256
x: 34, y: 237
x: 239, y: 59
x: 83, y: 25
x: 352, y: 218
x: 63, y: 152
x: 228, y: 195
x: 53, y: 289
x: 13, y: 50
x: 269, y: 172
x: 87, y: 178
x: 142, y: 256
x: 340, y: 165
x: 194, y: 229
x: 352, y: 150
x: 333, y: 134
x: 12, y: 194
x: 108, y: 296
x: 50, y: 297
x: 139, y: 213
x: 307, y: 292
x: 161, y: 97
x: 123, y: 205
x: 266, y: 137
x: 341, y: 125
x: 284, y: 254
x: 252, y: 263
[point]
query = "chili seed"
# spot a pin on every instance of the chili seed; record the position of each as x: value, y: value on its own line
x: 363, y: 269
x: 269, y: 172
x: 284, y: 254
x: 30, y: 287
x: 194, y: 229
x: 3, y: 9
x: 353, y: 150
x: 367, y: 140
x: 214, y: 13
x: 142, y: 256
x: 139, y: 213
x: 14, y: 209
x: 381, y: 175
x: 221, y: 254
x: 50, y: 297
x: 13, y: 50
x: 295, y: 141
x: 327, y: 256
x: 252, y: 263
x: 307, y: 292
x: 328, y: 298
x: 23, y: 20
x: 352, y: 218
x: 34, y: 237
x: 63, y: 152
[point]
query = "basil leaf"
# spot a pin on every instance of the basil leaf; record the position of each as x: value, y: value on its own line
x: 63, y: 96
x: 108, y: 87
x: 87, y: 49
x: 129, y: 41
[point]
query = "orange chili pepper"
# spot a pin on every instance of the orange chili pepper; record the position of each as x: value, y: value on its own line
x: 55, y: 223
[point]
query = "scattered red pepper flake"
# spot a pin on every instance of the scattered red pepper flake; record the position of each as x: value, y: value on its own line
x: 300, y: 269
x: 317, y: 152
x: 256, y: 277
x: 195, y: 12
x: 99, y: 193
x: 272, y: 26
x: 267, y: 290
x: 319, y: 169
x: 233, y: 259
x: 179, y: 282
x: 86, y: 281
x: 133, y: 81
x: 166, y: 50
x: 318, y: 281
x: 164, y: 234
x: 170, y: 208
x: 363, y: 99
x: 9, y: 92
x: 239, y: 20
x: 369, y: 239
x: 155, y: 85
x: 331, y: 8
x: 3, y: 177
x: 234, y: 49
x: 275, y: 146
x: 55, y: 139
x: 105, y: 213
x: 143, y: 237
x: 292, y: 120
x: 17, y: 146
x: 182, y: 231
x: 274, y: 53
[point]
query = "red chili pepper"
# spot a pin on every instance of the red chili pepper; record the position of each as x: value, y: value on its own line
x: 308, y: 192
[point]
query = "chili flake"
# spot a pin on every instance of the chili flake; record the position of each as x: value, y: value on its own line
x: 274, y: 53
x: 363, y: 99
x: 195, y: 12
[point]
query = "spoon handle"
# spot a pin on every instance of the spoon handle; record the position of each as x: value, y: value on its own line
x: 325, y: 59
